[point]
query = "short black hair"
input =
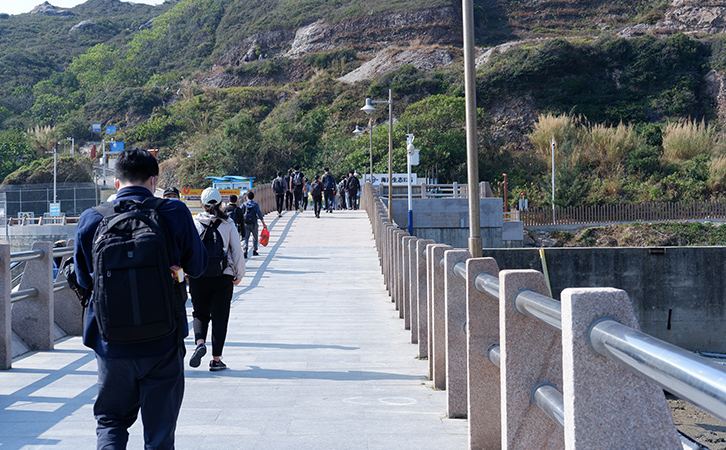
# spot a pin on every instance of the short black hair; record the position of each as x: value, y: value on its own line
x: 251, y: 195
x: 317, y: 177
x: 278, y: 174
x: 326, y: 169
x: 136, y: 166
x: 297, y: 167
x: 232, y: 198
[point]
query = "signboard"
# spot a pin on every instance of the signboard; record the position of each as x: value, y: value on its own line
x: 110, y: 130
x: 96, y: 127
x: 26, y: 215
x: 117, y: 146
x: 194, y: 196
x: 399, y: 179
x: 54, y: 209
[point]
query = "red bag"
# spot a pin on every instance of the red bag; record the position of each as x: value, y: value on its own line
x: 264, y: 237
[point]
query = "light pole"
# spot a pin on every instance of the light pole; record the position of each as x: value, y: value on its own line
x: 358, y: 130
x: 411, y: 160
x: 368, y: 108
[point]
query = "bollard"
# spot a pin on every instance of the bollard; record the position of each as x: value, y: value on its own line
x: 437, y: 312
x: 531, y: 353
x: 455, y: 310
x: 482, y: 319
x: 600, y: 412
x: 32, y: 318
x: 421, y: 298
x: 6, y: 333
x: 406, y: 281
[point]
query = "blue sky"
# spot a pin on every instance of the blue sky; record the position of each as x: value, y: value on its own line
x: 24, y: 6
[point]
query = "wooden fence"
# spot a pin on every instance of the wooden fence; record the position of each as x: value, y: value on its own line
x: 643, y: 212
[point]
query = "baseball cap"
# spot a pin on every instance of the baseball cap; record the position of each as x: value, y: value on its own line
x: 171, y: 190
x: 211, y: 196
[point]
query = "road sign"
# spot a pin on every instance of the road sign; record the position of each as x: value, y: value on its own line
x: 117, y: 146
x: 54, y: 209
x: 399, y: 179
x: 110, y: 130
x: 96, y: 127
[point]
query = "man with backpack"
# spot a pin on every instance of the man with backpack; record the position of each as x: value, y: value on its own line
x: 288, y: 190
x: 232, y: 211
x: 316, y: 191
x: 297, y: 183
x: 279, y: 188
x: 134, y: 253
x: 251, y: 212
x: 329, y: 190
x: 352, y: 185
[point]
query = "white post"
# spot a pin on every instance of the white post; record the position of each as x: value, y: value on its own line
x: 55, y: 167
x: 103, y: 159
x: 553, y: 181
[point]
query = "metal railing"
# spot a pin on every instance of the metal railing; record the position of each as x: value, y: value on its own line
x: 30, y: 255
x: 687, y: 375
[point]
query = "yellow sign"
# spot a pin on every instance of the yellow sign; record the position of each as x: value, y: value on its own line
x: 195, y: 195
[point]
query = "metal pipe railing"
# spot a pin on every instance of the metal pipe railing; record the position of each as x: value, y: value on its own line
x: 547, y: 398
x: 540, y: 307
x: 28, y: 255
x: 59, y: 286
x: 23, y: 294
x: 688, y: 376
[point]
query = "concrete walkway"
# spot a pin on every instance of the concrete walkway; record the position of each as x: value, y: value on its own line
x: 317, y: 357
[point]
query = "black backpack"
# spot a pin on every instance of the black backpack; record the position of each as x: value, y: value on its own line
x: 278, y: 186
x: 353, y: 184
x: 328, y: 182
x: 316, y: 189
x: 250, y: 217
x: 133, y: 294
x: 213, y: 242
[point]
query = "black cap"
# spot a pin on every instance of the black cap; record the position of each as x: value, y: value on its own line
x: 171, y: 190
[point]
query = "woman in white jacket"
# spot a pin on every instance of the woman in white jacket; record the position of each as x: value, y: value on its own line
x: 212, y: 292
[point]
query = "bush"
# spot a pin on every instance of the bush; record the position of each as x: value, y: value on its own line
x: 684, y: 140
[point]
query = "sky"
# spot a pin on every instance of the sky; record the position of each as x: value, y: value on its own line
x: 24, y: 6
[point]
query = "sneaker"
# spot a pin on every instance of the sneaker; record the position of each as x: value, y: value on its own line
x: 217, y: 365
x: 255, y: 253
x: 279, y: 214
x: 196, y: 359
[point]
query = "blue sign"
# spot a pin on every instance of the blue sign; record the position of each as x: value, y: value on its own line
x: 54, y: 209
x: 96, y: 127
x: 117, y: 146
x: 110, y: 130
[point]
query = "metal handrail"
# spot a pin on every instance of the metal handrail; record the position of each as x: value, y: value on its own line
x: 687, y: 375
x: 547, y: 398
x: 28, y: 255
x: 23, y: 294
x: 62, y: 251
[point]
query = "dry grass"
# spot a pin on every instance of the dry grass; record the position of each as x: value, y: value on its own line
x: 549, y: 126
x: 612, y: 144
x: 684, y: 140
x: 717, y: 174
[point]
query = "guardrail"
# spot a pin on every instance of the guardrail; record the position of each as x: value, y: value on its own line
x: 575, y: 373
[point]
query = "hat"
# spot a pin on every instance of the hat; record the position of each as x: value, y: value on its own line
x: 171, y: 190
x: 211, y: 196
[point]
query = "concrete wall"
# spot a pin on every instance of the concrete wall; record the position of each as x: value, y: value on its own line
x: 678, y: 293
x: 446, y: 220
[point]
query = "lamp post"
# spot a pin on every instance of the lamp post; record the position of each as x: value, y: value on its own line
x: 368, y: 108
x: 411, y: 160
x: 358, y: 130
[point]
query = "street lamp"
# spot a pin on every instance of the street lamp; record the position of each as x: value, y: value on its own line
x: 358, y: 131
x: 411, y: 160
x: 368, y: 108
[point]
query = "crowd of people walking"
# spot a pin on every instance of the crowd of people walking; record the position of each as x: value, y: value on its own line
x: 293, y: 192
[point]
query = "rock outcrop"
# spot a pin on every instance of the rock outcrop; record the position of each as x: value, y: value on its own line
x: 47, y: 9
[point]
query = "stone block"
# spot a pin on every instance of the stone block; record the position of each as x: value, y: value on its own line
x: 456, y: 360
x: 437, y: 311
x: 422, y: 297
x: 32, y: 318
x: 630, y: 410
x: 406, y: 281
x: 531, y: 353
x: 6, y: 335
x: 482, y: 319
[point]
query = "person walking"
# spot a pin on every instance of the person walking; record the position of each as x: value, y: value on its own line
x: 212, y: 292
x: 232, y: 211
x: 278, y: 187
x: 352, y: 185
x: 316, y: 191
x: 252, y: 212
x: 341, y: 193
x: 306, y: 194
x: 298, y: 185
x: 139, y: 376
x: 329, y: 190
x: 288, y: 190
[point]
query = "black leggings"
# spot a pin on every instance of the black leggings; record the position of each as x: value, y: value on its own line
x: 211, y: 298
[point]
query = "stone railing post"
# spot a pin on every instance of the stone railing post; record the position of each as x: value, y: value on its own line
x: 398, y: 270
x: 482, y: 320
x: 605, y: 404
x: 437, y: 313
x: 67, y: 310
x: 32, y: 318
x: 456, y: 360
x: 421, y: 298
x: 6, y: 334
x: 406, y: 281
x: 530, y: 353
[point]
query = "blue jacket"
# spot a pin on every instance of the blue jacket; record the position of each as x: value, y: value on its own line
x: 251, y: 205
x: 188, y: 252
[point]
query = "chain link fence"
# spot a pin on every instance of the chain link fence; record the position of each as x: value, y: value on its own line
x: 35, y: 199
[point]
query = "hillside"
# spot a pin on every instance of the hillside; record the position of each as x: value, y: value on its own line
x: 250, y: 87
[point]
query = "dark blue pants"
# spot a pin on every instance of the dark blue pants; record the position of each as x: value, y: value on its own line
x: 212, y: 299
x: 153, y: 384
x: 279, y: 200
x: 329, y: 199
